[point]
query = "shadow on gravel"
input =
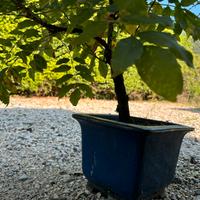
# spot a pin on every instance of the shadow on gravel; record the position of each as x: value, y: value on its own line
x: 193, y: 110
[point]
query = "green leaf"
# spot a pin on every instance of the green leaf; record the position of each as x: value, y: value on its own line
x: 75, y: 97
x: 193, y: 24
x: 5, y: 42
x: 82, y: 15
x: 31, y: 73
x: 125, y: 54
x: 91, y: 30
x: 180, y: 18
x: 65, y: 89
x: 68, y: 2
x: 86, y: 76
x: 48, y: 50
x: 157, y: 8
x: 64, y: 79
x: 177, y: 29
x: 17, y: 32
x: 31, y: 33
x: 83, y: 68
x: 84, y: 72
x: 79, y: 60
x: 103, y: 69
x: 25, y: 24
x: 22, y: 55
x: 87, y: 89
x: 151, y: 19
x: 62, y: 68
x: 137, y: 7
x: 19, y: 68
x: 39, y: 63
x: 30, y: 47
x: 62, y: 60
x: 167, y: 11
x: 4, y: 95
x: 186, y: 3
x: 167, y: 40
x: 159, y: 69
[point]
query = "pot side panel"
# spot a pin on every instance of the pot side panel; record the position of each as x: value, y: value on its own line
x: 112, y: 159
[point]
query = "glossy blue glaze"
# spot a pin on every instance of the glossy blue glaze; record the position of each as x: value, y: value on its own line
x: 131, y: 161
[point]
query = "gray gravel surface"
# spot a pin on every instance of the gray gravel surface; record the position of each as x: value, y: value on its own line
x: 41, y: 153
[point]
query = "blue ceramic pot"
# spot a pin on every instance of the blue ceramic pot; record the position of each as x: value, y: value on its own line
x: 131, y: 160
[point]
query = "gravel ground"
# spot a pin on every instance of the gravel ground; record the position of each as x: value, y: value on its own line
x: 41, y: 153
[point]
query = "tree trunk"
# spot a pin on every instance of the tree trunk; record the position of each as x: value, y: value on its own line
x: 120, y: 90
x: 122, y: 99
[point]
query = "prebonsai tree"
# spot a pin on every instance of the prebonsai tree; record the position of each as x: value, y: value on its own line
x: 83, y: 34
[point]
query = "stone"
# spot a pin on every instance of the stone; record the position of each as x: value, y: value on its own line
x: 197, y: 193
x: 193, y: 160
x: 23, y: 178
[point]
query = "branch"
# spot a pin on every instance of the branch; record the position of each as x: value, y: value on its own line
x: 27, y: 12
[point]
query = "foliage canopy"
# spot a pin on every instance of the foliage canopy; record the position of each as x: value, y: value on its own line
x: 82, y: 34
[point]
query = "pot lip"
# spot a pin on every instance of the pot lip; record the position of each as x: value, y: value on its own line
x: 171, y: 127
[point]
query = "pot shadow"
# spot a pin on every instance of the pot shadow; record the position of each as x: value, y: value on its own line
x: 193, y: 110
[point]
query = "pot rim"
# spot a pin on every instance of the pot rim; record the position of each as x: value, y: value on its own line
x: 169, y: 127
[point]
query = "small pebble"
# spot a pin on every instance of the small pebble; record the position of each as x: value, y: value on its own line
x: 23, y: 178
x: 193, y: 160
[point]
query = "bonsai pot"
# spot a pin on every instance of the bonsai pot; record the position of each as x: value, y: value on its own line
x: 131, y: 160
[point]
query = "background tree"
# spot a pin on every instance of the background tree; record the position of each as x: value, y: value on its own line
x: 81, y: 34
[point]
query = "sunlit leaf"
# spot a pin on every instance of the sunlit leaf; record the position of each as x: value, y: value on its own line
x: 167, y: 40
x: 159, y: 69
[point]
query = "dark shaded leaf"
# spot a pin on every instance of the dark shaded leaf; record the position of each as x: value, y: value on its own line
x: 64, y: 79
x: 75, y: 97
x: 19, y: 68
x: 30, y: 47
x: 86, y: 89
x: 79, y: 60
x: 138, y: 7
x: 39, y: 63
x: 187, y: 2
x: 25, y: 24
x: 31, y: 73
x: 62, y: 60
x: 22, y: 55
x: 103, y: 69
x: 91, y: 30
x: 4, y: 95
x: 62, y: 68
x: 84, y: 72
x: 31, y: 33
x: 126, y: 53
x: 65, y: 89
x: 152, y: 19
x: 5, y: 42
